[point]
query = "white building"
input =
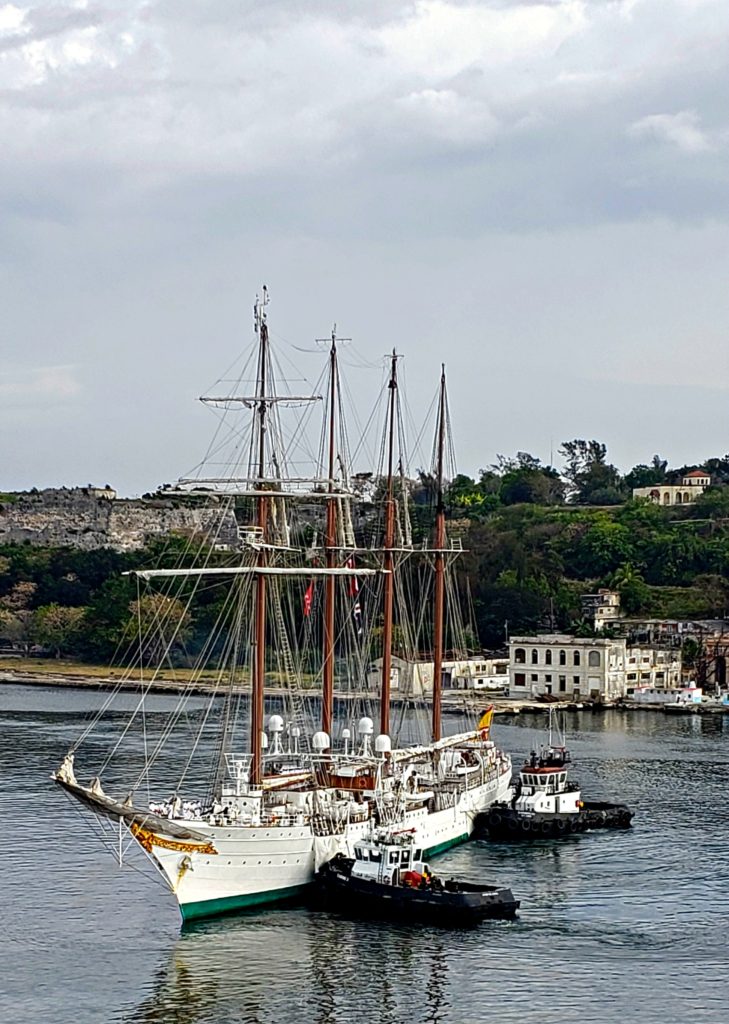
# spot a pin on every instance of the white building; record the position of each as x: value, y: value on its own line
x: 574, y: 668
x: 691, y: 486
x: 602, y: 607
x: 578, y: 668
x: 416, y: 677
x: 653, y: 667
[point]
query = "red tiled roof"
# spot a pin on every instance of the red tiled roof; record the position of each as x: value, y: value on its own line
x: 697, y: 472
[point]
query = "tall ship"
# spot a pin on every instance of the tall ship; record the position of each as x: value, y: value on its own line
x: 259, y: 775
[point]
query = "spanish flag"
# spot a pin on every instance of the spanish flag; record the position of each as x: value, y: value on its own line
x: 484, y: 724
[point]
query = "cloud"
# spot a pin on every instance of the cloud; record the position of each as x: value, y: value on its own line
x: 680, y: 130
x: 535, y: 94
x: 40, y: 385
x: 537, y: 188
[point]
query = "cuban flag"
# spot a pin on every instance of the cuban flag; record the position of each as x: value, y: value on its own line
x: 354, y: 594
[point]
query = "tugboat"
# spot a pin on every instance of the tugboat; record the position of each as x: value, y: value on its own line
x: 387, y: 877
x: 543, y: 804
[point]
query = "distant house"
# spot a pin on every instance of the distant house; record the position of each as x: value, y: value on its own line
x: 602, y: 607
x: 692, y: 485
x: 416, y: 677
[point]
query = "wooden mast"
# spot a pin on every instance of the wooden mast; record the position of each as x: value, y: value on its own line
x: 439, y: 595
x: 259, y: 665
x: 330, y: 541
x: 389, y: 584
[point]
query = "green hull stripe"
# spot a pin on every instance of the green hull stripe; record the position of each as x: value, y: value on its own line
x: 442, y: 847
x: 226, y: 905
x: 229, y: 904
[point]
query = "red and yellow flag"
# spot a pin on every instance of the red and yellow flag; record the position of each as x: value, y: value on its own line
x: 484, y: 724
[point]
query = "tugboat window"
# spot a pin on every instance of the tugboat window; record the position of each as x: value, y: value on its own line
x: 375, y: 855
x: 418, y: 854
x: 394, y: 857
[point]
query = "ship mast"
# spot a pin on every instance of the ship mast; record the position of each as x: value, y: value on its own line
x: 330, y: 541
x: 439, y: 594
x: 389, y: 583
x: 259, y: 630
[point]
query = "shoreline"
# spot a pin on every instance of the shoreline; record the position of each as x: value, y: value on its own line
x: 98, y: 678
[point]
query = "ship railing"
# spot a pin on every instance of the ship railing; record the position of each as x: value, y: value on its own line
x: 324, y: 825
x: 285, y: 820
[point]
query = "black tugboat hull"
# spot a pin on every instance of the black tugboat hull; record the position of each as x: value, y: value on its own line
x: 464, y: 907
x: 503, y: 823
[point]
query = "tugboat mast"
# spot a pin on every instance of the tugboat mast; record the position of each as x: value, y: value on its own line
x: 439, y: 595
x: 259, y: 663
x: 389, y: 583
x: 330, y: 541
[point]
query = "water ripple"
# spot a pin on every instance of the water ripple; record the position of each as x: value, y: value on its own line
x: 625, y: 927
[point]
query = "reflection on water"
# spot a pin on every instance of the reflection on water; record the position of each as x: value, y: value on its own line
x: 615, y: 927
x: 292, y: 964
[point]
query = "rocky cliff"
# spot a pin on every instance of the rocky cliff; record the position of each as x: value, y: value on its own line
x: 87, y: 518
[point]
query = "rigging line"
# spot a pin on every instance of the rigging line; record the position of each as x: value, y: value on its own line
x: 374, y: 421
x: 297, y: 348
x: 141, y: 681
x: 159, y: 622
x: 187, y: 691
x: 233, y: 639
x: 360, y: 363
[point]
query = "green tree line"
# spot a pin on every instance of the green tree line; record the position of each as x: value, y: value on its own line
x: 534, y: 541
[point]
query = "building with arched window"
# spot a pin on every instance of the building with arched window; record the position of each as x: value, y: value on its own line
x: 690, y: 487
x: 587, y: 668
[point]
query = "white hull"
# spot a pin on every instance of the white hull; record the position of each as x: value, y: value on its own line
x: 261, y: 864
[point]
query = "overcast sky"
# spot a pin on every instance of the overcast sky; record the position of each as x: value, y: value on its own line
x: 535, y: 192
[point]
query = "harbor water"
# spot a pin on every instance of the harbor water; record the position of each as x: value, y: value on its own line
x: 614, y: 926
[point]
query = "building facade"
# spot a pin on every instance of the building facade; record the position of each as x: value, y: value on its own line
x: 692, y: 485
x: 577, y: 668
x: 601, y: 608
x: 415, y: 678
x: 655, y: 667
x: 574, y: 668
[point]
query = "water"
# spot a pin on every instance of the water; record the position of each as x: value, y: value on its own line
x: 615, y: 926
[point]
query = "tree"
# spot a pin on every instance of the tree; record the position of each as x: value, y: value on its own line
x: 714, y: 591
x: 633, y: 589
x: 57, y: 628
x: 646, y: 476
x: 162, y: 623
x: 12, y: 629
x: 712, y: 504
x: 591, y: 479
x: 526, y: 481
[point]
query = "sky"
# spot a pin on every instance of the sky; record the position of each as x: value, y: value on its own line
x: 535, y: 193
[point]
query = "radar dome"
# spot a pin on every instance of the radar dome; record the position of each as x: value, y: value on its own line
x: 320, y: 741
x: 383, y: 744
